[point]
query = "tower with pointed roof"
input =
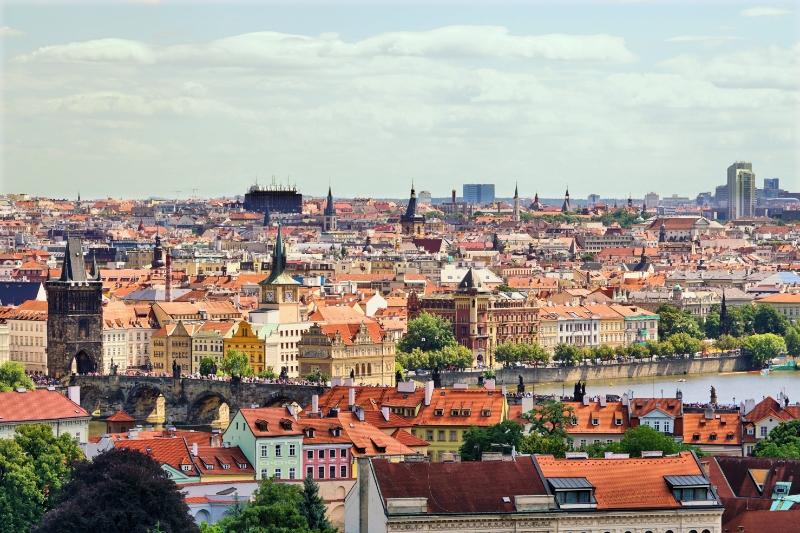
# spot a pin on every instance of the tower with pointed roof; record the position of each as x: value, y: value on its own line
x: 662, y: 232
x: 280, y: 292
x: 471, y: 300
x: 566, y: 208
x: 329, y: 220
x: 413, y: 222
x: 516, y: 203
x: 74, y: 315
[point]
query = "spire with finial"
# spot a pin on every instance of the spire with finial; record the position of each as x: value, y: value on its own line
x: 516, y: 190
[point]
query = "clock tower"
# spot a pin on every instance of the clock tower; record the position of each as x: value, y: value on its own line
x: 279, y: 292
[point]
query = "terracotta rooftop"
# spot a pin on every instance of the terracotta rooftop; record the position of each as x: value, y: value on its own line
x: 36, y: 405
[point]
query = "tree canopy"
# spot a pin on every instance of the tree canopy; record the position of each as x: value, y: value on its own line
x: 208, y: 365
x: 673, y: 321
x: 762, y: 348
x: 550, y: 419
x: 478, y: 440
x: 12, y: 377
x: 33, y: 467
x: 121, y: 491
x: 783, y: 441
x: 683, y: 343
x: 509, y: 353
x: 236, y: 364
x: 428, y: 333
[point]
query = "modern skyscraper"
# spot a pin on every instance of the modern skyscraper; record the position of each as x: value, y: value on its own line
x: 478, y: 193
x: 594, y: 199
x: 651, y: 199
x: 772, y: 183
x: 741, y: 190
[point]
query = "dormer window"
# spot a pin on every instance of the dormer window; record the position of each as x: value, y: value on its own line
x: 209, y: 467
x: 438, y: 412
x: 618, y: 421
x: 465, y: 412
x: 262, y: 425
x: 310, y: 433
x: 286, y: 424
x: 713, y: 436
x: 751, y: 431
x: 696, y: 436
x: 729, y: 436
x: 574, y: 420
x: 595, y: 421
x: 186, y: 468
x: 454, y: 412
x: 226, y: 467
x: 486, y: 412
x: 241, y: 466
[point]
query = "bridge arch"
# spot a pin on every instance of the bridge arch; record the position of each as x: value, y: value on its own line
x: 279, y: 398
x: 146, y: 402
x: 209, y: 408
x: 90, y: 398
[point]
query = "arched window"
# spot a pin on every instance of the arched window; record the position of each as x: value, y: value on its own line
x: 369, y: 369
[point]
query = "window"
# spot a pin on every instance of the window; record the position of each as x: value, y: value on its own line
x: 454, y: 412
x: 573, y: 496
x: 666, y: 426
x: 343, y: 452
x: 292, y: 450
x: 332, y: 453
x: 292, y: 473
x: 583, y: 442
x: 264, y: 450
x: 321, y: 472
x: 333, y: 471
x: 595, y: 421
x: 264, y: 473
x: 343, y: 472
x: 441, y: 435
x: 750, y: 431
x: 278, y: 473
x: 310, y: 454
x: 438, y: 412
x: 690, y: 494
x: 657, y: 425
x: 429, y: 435
x: 310, y: 471
x: 321, y: 454
x: 763, y: 431
x: 453, y: 436
x: 278, y: 452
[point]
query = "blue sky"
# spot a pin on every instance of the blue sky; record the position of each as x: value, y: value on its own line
x: 124, y: 99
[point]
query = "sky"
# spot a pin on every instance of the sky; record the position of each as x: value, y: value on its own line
x: 177, y: 99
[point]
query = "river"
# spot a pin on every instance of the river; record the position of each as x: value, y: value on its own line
x: 732, y: 387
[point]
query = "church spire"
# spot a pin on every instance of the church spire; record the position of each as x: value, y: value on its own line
x: 516, y: 190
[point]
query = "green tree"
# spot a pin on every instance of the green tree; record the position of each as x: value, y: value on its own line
x: 312, y: 506
x: 275, y: 508
x: 12, y: 377
x: 399, y: 375
x: 783, y: 441
x: 507, y: 353
x: 550, y: 419
x: 762, y: 348
x: 21, y: 501
x: 236, y: 364
x: 638, y: 351
x: 207, y: 365
x: 727, y: 342
x: 742, y: 320
x: 567, y: 354
x: 644, y: 438
x: 543, y: 444
x: 533, y: 353
x: 767, y: 319
x: 673, y: 320
x: 684, y: 343
x: 712, y: 324
x: 318, y: 377
x: 120, y: 491
x: 652, y: 348
x: 506, y: 288
x: 792, y: 339
x: 269, y: 373
x: 666, y: 348
x: 428, y: 333
x: 480, y: 439
x: 434, y: 214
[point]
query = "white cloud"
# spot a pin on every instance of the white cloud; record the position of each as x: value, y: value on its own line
x: 708, y: 41
x: 765, y: 12
x: 7, y: 32
x: 490, y: 42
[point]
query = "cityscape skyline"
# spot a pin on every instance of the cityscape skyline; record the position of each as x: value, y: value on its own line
x: 120, y: 100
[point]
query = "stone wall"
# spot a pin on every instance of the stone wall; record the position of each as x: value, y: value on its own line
x: 670, y: 367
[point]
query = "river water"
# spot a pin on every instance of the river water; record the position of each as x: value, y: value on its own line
x: 696, y: 388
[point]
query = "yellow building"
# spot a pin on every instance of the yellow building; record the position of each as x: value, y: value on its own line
x: 172, y: 342
x: 548, y: 331
x: 446, y: 414
x: 612, y: 324
x: 245, y: 340
x: 786, y: 304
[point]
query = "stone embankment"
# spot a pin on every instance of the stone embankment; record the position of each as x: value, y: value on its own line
x: 612, y: 371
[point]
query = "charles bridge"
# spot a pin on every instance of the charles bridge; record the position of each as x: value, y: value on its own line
x: 186, y: 400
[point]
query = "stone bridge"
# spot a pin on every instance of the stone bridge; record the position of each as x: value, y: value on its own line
x: 187, y: 401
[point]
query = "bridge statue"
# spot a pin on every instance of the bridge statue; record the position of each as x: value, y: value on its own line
x: 176, y: 370
x: 520, y: 385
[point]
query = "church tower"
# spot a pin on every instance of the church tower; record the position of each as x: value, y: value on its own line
x: 566, y: 208
x: 74, y: 316
x: 279, y: 292
x: 413, y: 223
x: 329, y: 224
x: 516, y: 203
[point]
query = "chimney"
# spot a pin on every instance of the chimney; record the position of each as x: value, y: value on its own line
x: 428, y: 392
x: 359, y: 410
x: 168, y: 279
x: 625, y: 399
x: 194, y: 449
x: 385, y: 411
x: 488, y: 384
x: 602, y: 401
x: 133, y: 434
x: 504, y: 389
x: 348, y: 382
x: 351, y: 397
x: 315, y: 404
x: 74, y: 394
x: 586, y: 400
x: 709, y: 412
x: 527, y: 404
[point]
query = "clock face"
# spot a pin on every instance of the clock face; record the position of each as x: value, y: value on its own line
x: 288, y: 296
x: 270, y: 296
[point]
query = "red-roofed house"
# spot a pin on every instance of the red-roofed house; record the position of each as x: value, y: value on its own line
x: 42, y: 406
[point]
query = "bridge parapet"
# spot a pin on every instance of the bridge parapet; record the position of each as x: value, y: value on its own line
x: 186, y: 400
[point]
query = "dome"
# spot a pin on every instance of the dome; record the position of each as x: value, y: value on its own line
x: 676, y: 288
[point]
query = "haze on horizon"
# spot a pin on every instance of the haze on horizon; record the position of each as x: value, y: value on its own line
x: 132, y: 100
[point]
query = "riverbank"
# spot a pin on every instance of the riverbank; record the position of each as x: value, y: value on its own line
x: 611, y: 372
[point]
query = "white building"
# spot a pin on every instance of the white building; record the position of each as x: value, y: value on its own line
x: 43, y: 407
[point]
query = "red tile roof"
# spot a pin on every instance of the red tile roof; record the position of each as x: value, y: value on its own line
x: 612, y: 478
x: 120, y: 416
x: 218, y: 458
x: 457, y: 488
x: 269, y: 421
x: 36, y: 405
x: 173, y: 452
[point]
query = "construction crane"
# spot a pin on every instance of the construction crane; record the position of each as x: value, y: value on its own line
x: 194, y: 193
